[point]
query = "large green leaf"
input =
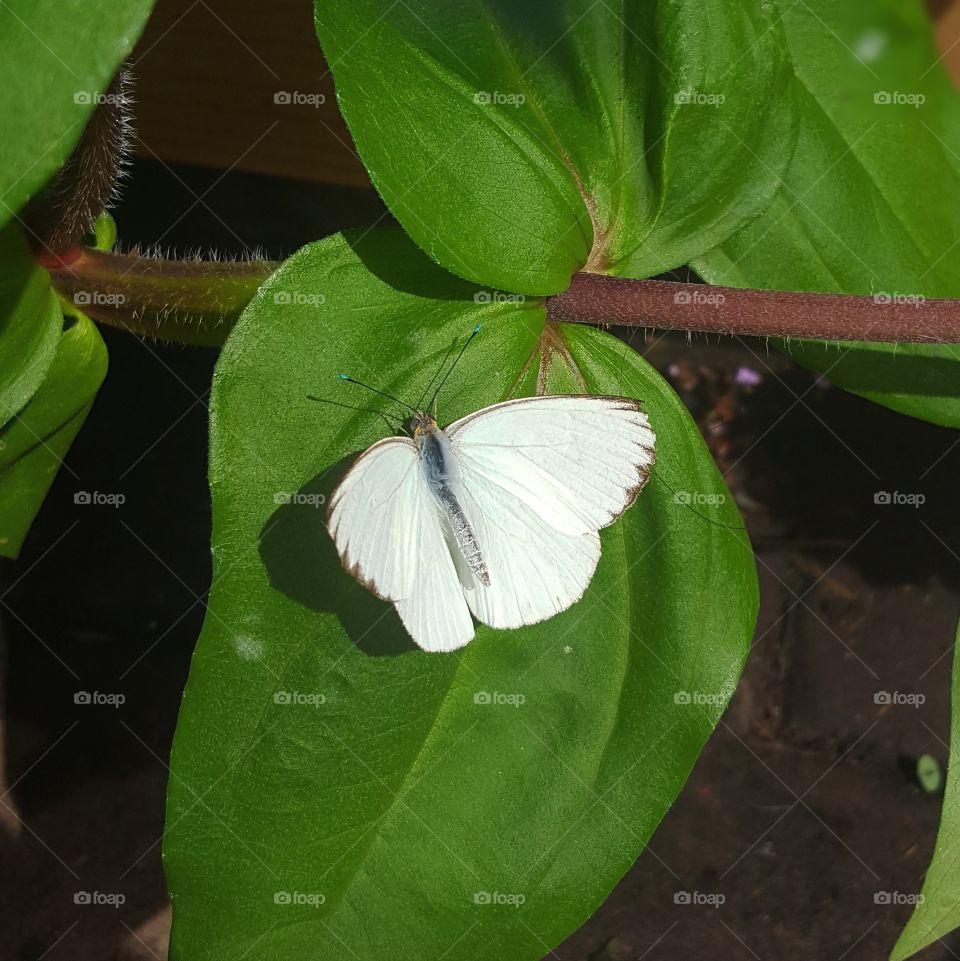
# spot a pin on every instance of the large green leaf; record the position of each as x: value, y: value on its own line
x: 34, y: 443
x: 335, y: 792
x: 865, y: 205
x: 30, y: 323
x: 57, y: 57
x: 515, y: 139
x: 938, y: 910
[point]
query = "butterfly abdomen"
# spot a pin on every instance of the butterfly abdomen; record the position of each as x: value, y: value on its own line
x: 439, y: 471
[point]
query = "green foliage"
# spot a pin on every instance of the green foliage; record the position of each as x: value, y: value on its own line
x: 48, y: 379
x: 862, y: 208
x: 936, y: 913
x: 515, y: 141
x: 104, y: 232
x: 34, y: 443
x: 929, y: 774
x: 30, y: 323
x: 333, y: 785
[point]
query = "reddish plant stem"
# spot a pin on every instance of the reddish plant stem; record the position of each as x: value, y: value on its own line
x: 888, y: 317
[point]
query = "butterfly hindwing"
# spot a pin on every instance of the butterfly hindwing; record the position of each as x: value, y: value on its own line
x: 535, y: 571
x: 386, y: 527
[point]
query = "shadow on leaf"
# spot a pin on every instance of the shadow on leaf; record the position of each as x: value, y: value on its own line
x: 399, y: 263
x: 302, y: 562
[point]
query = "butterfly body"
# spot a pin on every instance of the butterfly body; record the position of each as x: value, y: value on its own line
x: 497, y: 517
x: 439, y: 467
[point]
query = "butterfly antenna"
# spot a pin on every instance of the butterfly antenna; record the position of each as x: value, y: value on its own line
x: 382, y: 393
x: 466, y: 344
x: 437, y: 373
x: 388, y: 418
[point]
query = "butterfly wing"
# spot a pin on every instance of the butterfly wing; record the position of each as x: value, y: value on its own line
x: 538, y: 477
x: 390, y: 536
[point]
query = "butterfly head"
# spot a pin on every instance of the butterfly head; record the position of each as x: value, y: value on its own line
x: 422, y: 423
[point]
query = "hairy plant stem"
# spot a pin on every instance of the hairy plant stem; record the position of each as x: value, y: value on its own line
x: 619, y: 301
x: 197, y: 302
x: 65, y: 210
x: 186, y: 301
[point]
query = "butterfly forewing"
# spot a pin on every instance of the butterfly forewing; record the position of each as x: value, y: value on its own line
x: 577, y: 461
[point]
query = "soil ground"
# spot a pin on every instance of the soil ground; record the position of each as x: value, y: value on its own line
x: 803, y: 812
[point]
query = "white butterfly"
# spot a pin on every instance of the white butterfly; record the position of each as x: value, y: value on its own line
x: 497, y: 516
